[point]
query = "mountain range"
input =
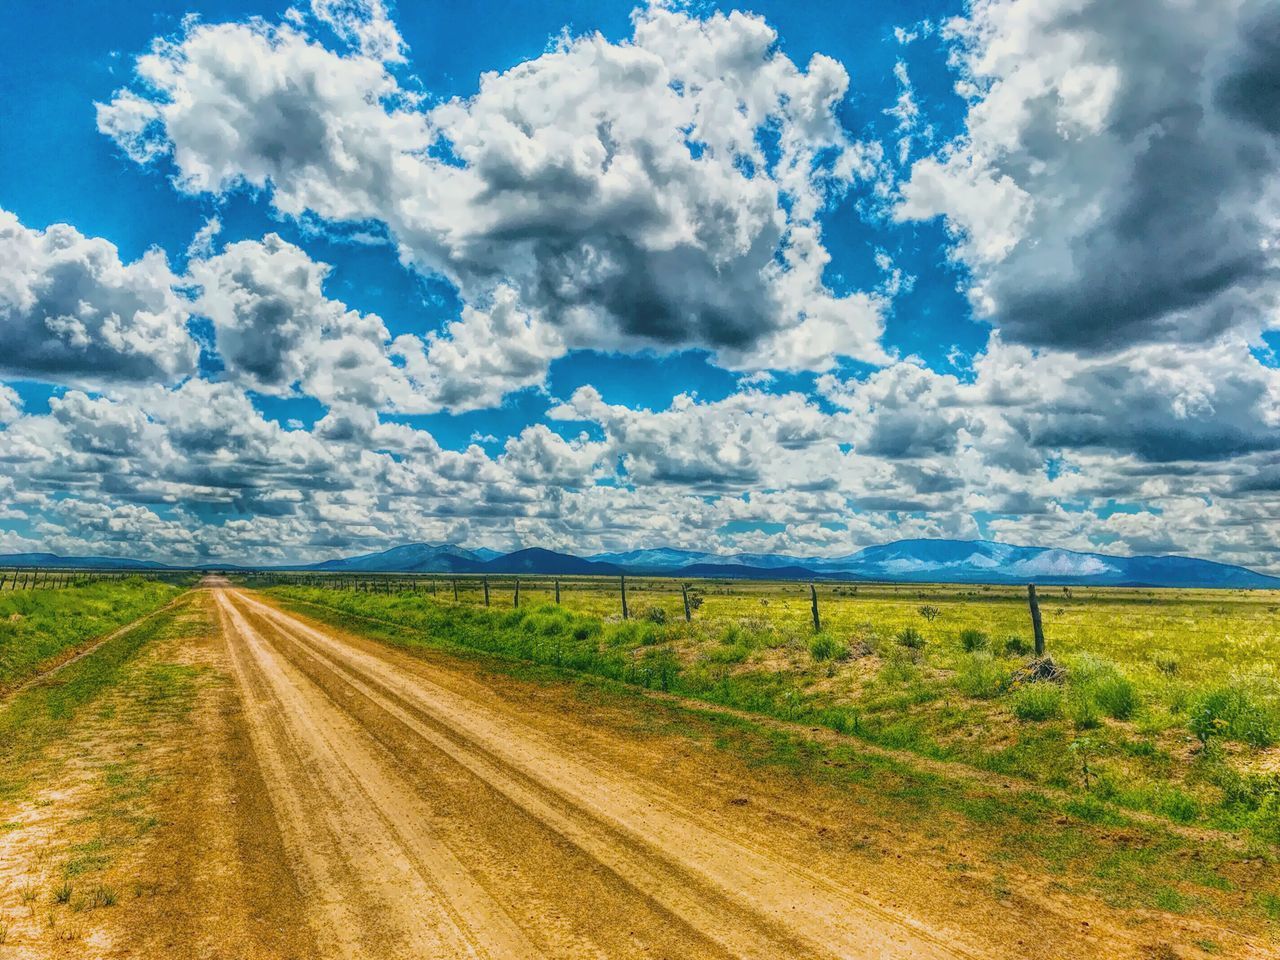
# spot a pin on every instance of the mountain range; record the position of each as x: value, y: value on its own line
x: 915, y: 561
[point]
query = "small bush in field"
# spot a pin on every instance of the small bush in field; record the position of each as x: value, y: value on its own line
x: 1116, y: 695
x: 982, y: 677
x: 1037, y: 701
x: 1233, y: 712
x: 1016, y: 646
x: 1166, y: 663
x: 1083, y: 713
x: 911, y: 638
x: 930, y: 612
x: 971, y: 640
x: 656, y: 615
x: 825, y: 647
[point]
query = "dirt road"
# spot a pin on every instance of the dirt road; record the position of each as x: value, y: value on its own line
x: 424, y: 820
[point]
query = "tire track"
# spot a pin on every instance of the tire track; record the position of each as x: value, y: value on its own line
x: 384, y: 884
x: 738, y: 895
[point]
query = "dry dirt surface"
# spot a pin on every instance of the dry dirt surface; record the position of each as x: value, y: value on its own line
x: 423, y: 822
x: 333, y: 797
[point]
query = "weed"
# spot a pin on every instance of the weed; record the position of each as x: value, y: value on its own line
x: 1166, y: 663
x: 1116, y: 696
x: 655, y: 615
x: 1083, y: 712
x: 929, y: 612
x: 102, y: 896
x: 1016, y: 646
x: 1234, y: 712
x: 825, y: 647
x: 911, y: 638
x: 971, y: 640
x: 1037, y: 701
x: 62, y: 892
x: 982, y: 677
x: 1270, y: 904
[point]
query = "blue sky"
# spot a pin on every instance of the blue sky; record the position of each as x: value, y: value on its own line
x: 283, y: 282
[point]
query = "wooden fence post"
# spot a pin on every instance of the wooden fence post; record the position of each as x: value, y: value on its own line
x: 1036, y: 626
x: 557, y: 593
x: 813, y: 600
x: 455, y: 589
x: 486, y: 591
x: 625, y: 613
x: 684, y: 592
x: 516, y: 601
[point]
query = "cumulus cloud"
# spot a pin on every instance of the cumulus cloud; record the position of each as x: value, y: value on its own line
x: 278, y: 333
x: 1117, y: 177
x: 10, y: 404
x: 71, y: 311
x: 659, y: 191
x: 1111, y: 203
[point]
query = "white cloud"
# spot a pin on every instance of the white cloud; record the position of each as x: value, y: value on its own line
x: 71, y: 311
x: 1117, y: 177
x: 620, y: 188
x: 10, y: 404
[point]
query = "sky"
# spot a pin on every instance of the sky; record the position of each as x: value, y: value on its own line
x: 281, y: 283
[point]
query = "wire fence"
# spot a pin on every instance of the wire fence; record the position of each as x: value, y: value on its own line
x: 39, y: 578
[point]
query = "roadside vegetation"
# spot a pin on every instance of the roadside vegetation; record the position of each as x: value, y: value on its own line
x: 40, y: 627
x: 1163, y: 703
x: 81, y: 754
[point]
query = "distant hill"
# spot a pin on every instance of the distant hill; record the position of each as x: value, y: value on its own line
x: 911, y: 561
x: 537, y: 560
x: 43, y: 560
x: 409, y: 558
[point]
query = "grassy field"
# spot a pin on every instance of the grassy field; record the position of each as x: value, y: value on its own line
x: 39, y: 627
x: 1169, y: 703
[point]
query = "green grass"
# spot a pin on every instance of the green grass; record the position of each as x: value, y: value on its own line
x: 36, y: 626
x: 41, y: 714
x: 1026, y: 830
x: 1146, y: 674
x: 118, y: 692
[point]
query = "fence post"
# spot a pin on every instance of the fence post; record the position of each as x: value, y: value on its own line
x: 486, y: 591
x: 557, y: 593
x: 623, y: 581
x: 1036, y: 626
x: 813, y: 600
x: 455, y: 590
x: 684, y: 592
x: 516, y: 601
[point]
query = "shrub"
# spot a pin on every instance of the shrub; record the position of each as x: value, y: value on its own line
x: 1016, y: 646
x: 1083, y: 712
x: 971, y: 640
x: 1115, y: 694
x: 1037, y: 701
x: 733, y: 653
x: 911, y: 638
x: 657, y: 670
x: 982, y: 677
x: 826, y: 647
x: 1166, y: 663
x: 656, y: 615
x: 930, y: 612
x: 1232, y: 711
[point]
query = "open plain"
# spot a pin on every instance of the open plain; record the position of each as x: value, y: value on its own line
x: 255, y: 774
